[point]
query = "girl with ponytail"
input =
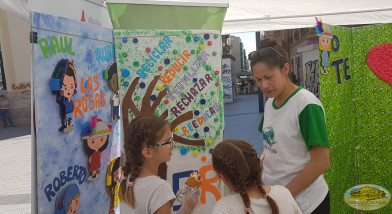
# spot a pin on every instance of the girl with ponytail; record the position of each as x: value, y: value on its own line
x: 148, y: 142
x: 237, y: 164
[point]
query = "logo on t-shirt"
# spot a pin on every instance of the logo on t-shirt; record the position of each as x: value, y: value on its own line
x: 268, y: 136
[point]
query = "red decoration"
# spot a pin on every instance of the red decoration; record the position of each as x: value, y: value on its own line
x: 379, y: 60
x: 217, y: 84
x: 216, y: 72
x: 166, y: 101
x: 160, y: 68
x: 148, y: 50
x: 209, y: 43
x: 83, y: 19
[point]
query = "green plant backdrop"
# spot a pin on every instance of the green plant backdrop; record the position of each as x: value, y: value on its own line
x: 358, y: 114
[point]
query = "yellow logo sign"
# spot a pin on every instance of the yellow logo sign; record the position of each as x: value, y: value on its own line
x: 367, y: 197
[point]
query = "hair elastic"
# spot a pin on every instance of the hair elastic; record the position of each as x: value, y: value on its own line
x: 129, y: 184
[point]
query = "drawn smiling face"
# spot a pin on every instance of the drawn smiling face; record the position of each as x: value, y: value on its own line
x: 73, y: 206
x: 68, y: 86
x: 325, y: 42
x: 117, y: 175
x: 113, y: 83
x: 97, y: 142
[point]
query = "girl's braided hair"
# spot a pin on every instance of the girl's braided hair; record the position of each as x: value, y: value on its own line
x: 238, y: 162
x: 143, y: 131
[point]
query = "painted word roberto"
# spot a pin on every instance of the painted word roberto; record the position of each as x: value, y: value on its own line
x: 200, y: 120
x: 156, y: 54
x: 77, y: 173
x: 58, y: 45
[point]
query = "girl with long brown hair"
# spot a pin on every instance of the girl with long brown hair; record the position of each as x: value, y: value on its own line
x: 148, y: 143
x: 237, y: 164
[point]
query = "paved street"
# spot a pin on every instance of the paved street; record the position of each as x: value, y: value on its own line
x: 241, y: 121
x: 242, y: 118
x: 15, y: 170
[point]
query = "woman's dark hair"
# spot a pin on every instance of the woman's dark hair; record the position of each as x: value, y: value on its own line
x: 238, y: 162
x: 89, y: 151
x: 141, y: 132
x: 269, y: 53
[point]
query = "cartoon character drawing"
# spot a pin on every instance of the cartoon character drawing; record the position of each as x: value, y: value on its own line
x: 68, y: 200
x: 95, y: 140
x: 325, y: 39
x: 113, y: 85
x: 113, y: 178
x: 64, y: 83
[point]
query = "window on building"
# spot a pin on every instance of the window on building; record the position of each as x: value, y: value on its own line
x: 2, y: 74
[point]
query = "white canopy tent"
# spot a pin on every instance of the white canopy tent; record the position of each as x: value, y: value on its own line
x: 266, y: 15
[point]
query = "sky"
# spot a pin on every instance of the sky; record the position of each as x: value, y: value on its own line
x: 248, y: 39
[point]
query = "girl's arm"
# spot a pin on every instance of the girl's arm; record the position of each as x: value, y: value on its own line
x: 186, y: 208
x: 318, y: 164
x: 165, y: 209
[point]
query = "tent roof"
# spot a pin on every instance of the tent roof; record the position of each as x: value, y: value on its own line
x: 266, y: 15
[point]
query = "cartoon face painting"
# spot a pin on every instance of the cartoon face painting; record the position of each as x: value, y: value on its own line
x: 73, y: 206
x: 325, y: 43
x: 113, y: 85
x: 95, y: 140
x: 113, y: 82
x: 64, y: 84
x: 68, y: 87
x: 325, y: 40
x: 97, y: 143
x: 117, y: 175
x: 113, y: 178
x: 68, y: 200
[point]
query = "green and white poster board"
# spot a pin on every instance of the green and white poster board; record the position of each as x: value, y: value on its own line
x: 357, y: 96
x: 169, y: 65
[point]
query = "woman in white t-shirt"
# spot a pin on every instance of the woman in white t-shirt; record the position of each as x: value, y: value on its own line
x: 237, y: 164
x: 294, y: 131
x: 148, y: 143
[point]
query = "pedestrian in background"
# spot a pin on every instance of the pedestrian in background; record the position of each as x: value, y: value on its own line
x: 294, y: 131
x: 4, y: 112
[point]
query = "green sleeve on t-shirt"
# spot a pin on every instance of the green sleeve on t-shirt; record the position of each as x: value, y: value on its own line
x: 313, y: 127
x: 261, y: 125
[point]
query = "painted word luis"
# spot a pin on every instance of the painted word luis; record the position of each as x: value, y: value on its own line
x: 58, y: 45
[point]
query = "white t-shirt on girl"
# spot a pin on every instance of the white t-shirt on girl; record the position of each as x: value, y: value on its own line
x: 233, y: 204
x: 150, y: 193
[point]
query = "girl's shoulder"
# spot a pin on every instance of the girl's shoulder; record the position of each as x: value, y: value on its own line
x: 280, y: 194
x: 231, y: 203
x: 304, y: 98
x: 152, y: 180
